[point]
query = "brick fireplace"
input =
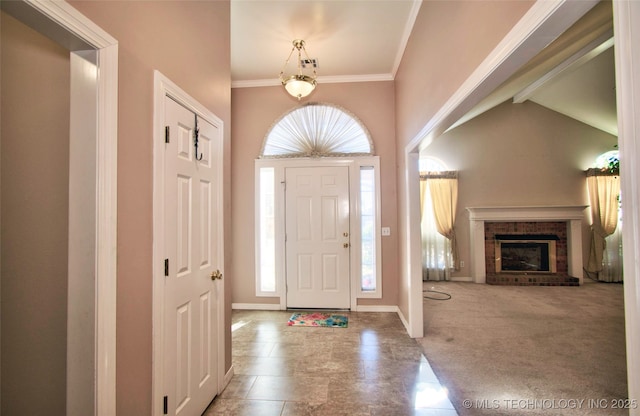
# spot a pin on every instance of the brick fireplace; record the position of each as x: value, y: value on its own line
x: 557, y: 229
x: 539, y: 248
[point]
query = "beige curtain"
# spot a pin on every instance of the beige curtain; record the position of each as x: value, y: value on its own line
x: 423, y: 190
x: 437, y: 261
x: 604, y: 190
x: 443, y: 188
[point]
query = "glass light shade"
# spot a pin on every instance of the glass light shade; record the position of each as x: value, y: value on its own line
x: 299, y: 85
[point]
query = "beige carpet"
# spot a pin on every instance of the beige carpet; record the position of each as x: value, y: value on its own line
x: 528, y: 350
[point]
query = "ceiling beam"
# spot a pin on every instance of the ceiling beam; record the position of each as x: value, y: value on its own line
x: 584, y: 55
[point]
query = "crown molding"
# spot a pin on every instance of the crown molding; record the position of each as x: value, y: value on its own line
x: 336, y: 79
x: 413, y: 15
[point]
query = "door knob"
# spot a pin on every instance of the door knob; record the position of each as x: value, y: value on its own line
x: 215, y: 275
x: 345, y: 245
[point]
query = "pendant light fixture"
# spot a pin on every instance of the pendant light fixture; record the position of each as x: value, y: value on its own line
x: 299, y: 85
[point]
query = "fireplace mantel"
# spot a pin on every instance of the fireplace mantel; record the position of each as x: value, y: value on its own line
x: 573, y: 215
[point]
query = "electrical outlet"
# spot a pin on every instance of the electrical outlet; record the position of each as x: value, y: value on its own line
x: 386, y: 231
x: 461, y: 263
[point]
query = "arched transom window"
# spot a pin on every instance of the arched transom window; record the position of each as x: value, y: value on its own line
x: 317, y: 130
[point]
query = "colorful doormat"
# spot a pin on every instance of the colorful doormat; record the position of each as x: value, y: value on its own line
x: 318, y: 319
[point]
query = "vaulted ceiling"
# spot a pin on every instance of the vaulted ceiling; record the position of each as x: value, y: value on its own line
x: 363, y: 40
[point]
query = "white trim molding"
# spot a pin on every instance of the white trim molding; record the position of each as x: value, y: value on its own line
x: 106, y: 238
x: 71, y: 29
x: 228, y: 376
x: 257, y: 306
x: 626, y: 26
x: 406, y: 34
x: 354, y: 164
x: 377, y: 308
x: 415, y: 319
x: 333, y: 79
x: 545, y: 20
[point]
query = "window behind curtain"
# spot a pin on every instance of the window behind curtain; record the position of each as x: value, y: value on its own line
x: 437, y: 261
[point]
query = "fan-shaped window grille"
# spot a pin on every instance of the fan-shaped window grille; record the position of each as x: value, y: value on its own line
x: 317, y: 130
x: 607, y: 160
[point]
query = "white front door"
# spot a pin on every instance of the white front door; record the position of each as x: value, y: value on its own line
x: 317, y: 237
x: 191, y: 296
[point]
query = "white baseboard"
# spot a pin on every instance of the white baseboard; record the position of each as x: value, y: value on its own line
x: 276, y: 307
x: 256, y: 306
x: 404, y: 321
x: 360, y: 308
x: 451, y: 279
x: 227, y: 378
x: 462, y: 279
x: 376, y: 308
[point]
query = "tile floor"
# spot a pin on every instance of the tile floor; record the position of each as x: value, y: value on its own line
x: 372, y: 367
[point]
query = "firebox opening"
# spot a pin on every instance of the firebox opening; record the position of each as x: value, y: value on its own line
x: 525, y: 253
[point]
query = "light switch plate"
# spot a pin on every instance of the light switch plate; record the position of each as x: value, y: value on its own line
x: 386, y: 231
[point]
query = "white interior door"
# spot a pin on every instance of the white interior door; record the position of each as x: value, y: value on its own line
x: 191, y: 296
x: 317, y: 237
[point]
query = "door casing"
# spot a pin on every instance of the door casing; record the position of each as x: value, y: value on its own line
x: 71, y: 29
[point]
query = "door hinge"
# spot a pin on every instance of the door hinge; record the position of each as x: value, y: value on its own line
x: 166, y: 267
x: 166, y: 134
x: 165, y: 405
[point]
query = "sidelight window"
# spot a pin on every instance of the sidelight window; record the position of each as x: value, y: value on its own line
x: 368, y: 229
x: 266, y: 232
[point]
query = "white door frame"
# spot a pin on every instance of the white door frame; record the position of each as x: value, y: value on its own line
x: 545, y: 20
x: 57, y: 20
x: 354, y: 165
x: 163, y: 87
x: 626, y: 21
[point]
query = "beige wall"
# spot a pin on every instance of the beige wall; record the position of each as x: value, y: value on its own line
x: 189, y: 43
x: 449, y: 40
x: 519, y: 155
x: 254, y: 110
x: 35, y: 165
